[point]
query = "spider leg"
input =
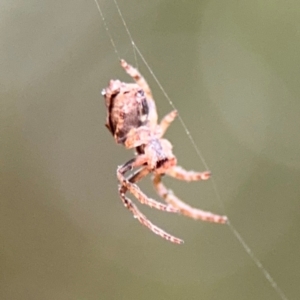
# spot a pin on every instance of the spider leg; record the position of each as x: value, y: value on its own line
x: 166, y: 121
x: 184, y: 208
x: 128, y: 184
x: 138, y: 175
x: 182, y: 174
x: 137, y: 76
x: 141, y: 81
x: 144, y: 221
x: 135, y: 211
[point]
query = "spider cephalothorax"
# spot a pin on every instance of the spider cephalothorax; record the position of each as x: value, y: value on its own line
x: 132, y: 120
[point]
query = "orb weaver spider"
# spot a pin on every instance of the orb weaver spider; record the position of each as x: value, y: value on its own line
x: 132, y: 120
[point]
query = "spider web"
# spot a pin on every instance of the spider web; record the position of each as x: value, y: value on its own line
x: 137, y: 53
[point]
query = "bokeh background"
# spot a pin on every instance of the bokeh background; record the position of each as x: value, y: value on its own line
x: 232, y: 70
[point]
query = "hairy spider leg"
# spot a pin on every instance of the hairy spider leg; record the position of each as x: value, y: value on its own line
x: 129, y: 184
x: 141, y: 81
x: 135, y: 211
x: 184, y: 208
x: 182, y: 174
x: 166, y: 121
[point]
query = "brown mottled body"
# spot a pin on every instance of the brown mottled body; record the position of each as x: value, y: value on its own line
x: 127, y: 108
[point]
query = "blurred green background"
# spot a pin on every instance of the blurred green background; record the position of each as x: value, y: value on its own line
x: 232, y: 70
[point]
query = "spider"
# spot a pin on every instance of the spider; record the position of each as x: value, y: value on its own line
x: 132, y: 120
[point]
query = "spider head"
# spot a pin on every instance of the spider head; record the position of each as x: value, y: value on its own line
x: 159, y: 155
